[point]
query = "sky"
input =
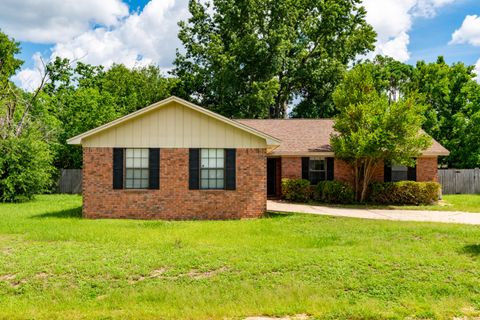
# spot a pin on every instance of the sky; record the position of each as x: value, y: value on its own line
x: 141, y: 32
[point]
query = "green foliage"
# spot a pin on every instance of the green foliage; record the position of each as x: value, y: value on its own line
x: 371, y: 129
x: 9, y: 64
x: 25, y: 167
x: 453, y: 116
x: 81, y: 97
x: 253, y: 58
x: 405, y: 192
x: 451, y: 96
x: 298, y: 190
x: 334, y: 192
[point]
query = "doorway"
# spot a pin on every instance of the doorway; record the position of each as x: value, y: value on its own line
x: 273, y: 177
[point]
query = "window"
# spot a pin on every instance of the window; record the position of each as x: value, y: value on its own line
x: 399, y: 173
x: 212, y: 169
x: 136, y: 168
x: 317, y: 170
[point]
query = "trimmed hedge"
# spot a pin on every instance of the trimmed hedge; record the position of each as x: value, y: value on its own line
x: 298, y: 190
x: 334, y: 192
x: 404, y: 192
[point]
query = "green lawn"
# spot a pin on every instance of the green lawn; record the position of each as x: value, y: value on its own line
x: 450, y: 202
x: 53, y: 264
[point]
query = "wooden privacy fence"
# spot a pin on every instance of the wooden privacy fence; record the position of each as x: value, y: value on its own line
x: 459, y: 180
x: 70, y: 181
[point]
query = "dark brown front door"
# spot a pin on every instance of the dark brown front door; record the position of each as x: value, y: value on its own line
x: 272, y: 176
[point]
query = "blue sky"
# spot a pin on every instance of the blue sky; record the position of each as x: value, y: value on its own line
x: 139, y: 32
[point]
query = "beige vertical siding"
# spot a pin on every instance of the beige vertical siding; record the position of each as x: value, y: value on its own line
x: 174, y: 126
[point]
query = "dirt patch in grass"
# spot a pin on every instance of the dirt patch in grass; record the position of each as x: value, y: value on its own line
x: 11, y: 279
x: 194, y: 274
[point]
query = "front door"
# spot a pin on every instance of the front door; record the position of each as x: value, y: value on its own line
x: 272, y: 177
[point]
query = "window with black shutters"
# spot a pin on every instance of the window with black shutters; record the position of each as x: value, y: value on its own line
x: 136, y: 168
x: 212, y: 169
x: 399, y: 173
x: 317, y: 170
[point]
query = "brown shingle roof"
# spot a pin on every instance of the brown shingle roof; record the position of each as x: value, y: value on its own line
x: 308, y: 136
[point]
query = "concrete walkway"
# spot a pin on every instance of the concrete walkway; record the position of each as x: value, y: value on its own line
x: 382, y: 214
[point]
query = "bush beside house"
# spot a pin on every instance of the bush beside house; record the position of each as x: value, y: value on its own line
x: 404, y: 192
x: 337, y: 192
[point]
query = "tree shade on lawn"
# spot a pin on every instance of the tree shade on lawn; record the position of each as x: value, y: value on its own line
x: 53, y: 264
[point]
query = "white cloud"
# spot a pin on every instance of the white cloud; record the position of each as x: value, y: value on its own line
x: 469, y: 32
x: 149, y: 36
x: 393, y: 19
x: 51, y: 21
x: 477, y: 70
x: 29, y: 79
x: 141, y: 38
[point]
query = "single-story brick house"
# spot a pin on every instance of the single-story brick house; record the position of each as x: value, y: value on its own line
x: 176, y: 160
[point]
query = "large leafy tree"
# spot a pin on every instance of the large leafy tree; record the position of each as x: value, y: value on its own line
x: 453, y: 97
x: 372, y: 129
x: 25, y: 159
x: 78, y: 97
x: 254, y: 58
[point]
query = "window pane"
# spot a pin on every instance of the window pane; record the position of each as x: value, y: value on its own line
x: 204, y: 174
x: 144, y: 183
x: 204, y: 153
x: 129, y: 163
x: 144, y: 153
x: 220, y: 153
x: 129, y: 153
x: 144, y: 173
x: 129, y: 173
x: 211, y: 184
x: 136, y: 183
x: 128, y: 183
x: 220, y: 183
x: 220, y: 174
x: 144, y: 163
x: 204, y: 184
x: 220, y: 163
x: 137, y: 153
x: 212, y: 153
x: 212, y: 174
x: 212, y: 163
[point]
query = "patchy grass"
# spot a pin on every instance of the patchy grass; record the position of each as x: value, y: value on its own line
x: 53, y: 264
x: 450, y: 202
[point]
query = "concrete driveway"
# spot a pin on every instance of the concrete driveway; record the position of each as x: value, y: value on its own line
x: 381, y: 214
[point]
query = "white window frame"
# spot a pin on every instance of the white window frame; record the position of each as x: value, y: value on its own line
x: 212, y: 169
x: 324, y: 170
x: 136, y: 168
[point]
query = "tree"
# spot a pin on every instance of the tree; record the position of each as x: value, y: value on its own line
x: 25, y: 160
x: 78, y: 97
x: 371, y: 129
x: 453, y: 97
x: 253, y: 58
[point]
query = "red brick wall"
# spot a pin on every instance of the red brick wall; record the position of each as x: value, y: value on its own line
x: 291, y: 167
x: 427, y: 169
x: 174, y: 200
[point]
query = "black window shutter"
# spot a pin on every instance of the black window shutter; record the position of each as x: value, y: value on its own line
x: 387, y: 173
x: 305, y: 165
x: 154, y: 168
x: 194, y: 169
x: 230, y: 169
x: 330, y: 168
x: 412, y: 172
x: 117, y: 168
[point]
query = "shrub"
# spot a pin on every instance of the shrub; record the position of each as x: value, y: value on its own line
x: 404, y: 192
x: 298, y: 190
x: 25, y: 168
x: 334, y: 192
